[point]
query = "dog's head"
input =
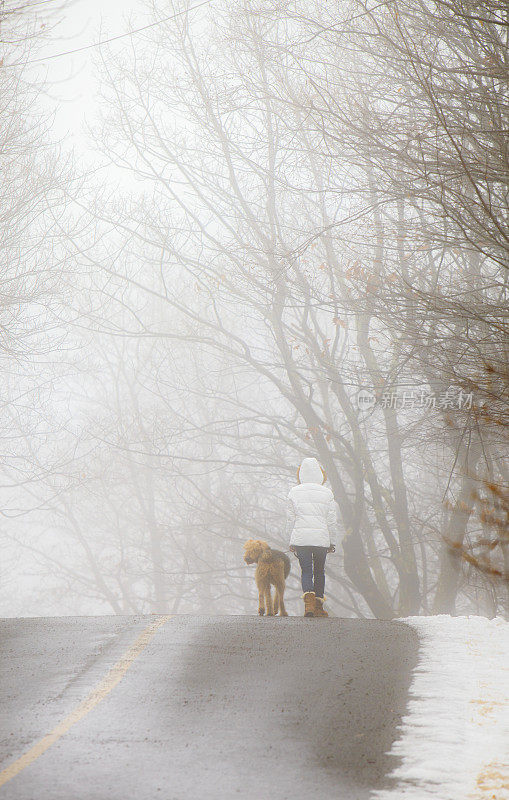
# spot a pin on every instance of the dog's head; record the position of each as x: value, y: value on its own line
x: 253, y: 550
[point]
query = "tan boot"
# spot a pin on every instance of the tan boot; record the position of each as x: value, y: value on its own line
x: 319, y: 610
x: 309, y: 604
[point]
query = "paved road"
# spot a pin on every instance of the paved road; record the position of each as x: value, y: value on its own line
x: 212, y: 707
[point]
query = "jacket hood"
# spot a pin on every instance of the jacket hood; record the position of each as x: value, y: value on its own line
x: 310, y: 472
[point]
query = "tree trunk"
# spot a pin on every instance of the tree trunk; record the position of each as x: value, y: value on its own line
x: 450, y: 558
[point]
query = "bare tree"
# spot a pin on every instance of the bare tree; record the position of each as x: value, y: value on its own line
x: 293, y: 245
x: 235, y: 228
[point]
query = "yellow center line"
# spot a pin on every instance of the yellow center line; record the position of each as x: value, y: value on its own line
x: 102, y: 689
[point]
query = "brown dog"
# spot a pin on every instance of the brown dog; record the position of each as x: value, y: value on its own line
x: 273, y: 567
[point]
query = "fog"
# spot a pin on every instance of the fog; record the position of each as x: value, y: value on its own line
x: 236, y: 235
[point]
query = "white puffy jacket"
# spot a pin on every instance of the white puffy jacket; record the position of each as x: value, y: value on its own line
x: 311, y: 517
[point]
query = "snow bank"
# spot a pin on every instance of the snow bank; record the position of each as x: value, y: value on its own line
x: 454, y: 741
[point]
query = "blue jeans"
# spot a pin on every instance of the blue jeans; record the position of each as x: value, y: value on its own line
x: 312, y: 564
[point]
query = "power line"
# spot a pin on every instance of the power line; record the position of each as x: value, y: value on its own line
x: 113, y: 38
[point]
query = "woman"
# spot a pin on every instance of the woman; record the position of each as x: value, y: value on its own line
x: 311, y: 521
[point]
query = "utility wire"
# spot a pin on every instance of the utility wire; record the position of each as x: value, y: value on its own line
x: 113, y: 38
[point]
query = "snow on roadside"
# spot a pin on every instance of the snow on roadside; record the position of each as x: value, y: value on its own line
x: 454, y: 738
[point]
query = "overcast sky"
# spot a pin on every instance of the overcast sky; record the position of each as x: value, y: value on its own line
x: 71, y: 80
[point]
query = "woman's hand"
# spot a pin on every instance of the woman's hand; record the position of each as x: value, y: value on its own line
x: 331, y: 549
x: 292, y: 548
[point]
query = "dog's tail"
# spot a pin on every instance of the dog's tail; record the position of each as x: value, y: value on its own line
x: 284, y: 558
x: 287, y: 565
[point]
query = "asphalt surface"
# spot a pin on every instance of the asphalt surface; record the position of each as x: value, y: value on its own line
x: 214, y: 707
